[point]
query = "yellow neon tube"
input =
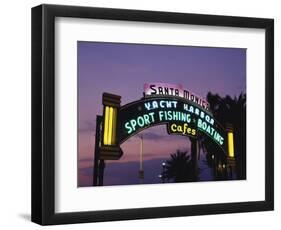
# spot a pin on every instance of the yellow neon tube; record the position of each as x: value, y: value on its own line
x: 105, y: 131
x: 110, y: 121
x: 230, y: 144
x: 114, y: 126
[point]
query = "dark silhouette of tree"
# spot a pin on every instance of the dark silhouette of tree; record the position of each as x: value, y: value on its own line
x: 233, y: 111
x: 179, y: 168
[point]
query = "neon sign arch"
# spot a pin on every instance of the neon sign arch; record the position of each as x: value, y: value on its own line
x: 181, y: 117
x: 183, y: 113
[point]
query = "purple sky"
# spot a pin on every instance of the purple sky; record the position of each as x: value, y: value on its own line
x: 123, y: 69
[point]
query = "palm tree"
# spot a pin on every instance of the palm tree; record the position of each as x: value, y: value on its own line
x: 233, y: 111
x: 179, y: 167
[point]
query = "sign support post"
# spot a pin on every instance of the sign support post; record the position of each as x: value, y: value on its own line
x: 194, y: 157
x: 97, y: 146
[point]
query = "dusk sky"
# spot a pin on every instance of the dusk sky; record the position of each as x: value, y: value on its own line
x: 123, y: 69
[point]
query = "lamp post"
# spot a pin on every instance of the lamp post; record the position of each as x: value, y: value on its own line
x: 141, y: 172
x: 163, y: 171
x: 214, y: 166
x: 162, y: 175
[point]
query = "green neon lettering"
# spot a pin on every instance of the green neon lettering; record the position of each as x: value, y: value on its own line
x: 175, y: 103
x: 146, y: 119
x: 183, y: 116
x: 161, y: 103
x: 127, y: 126
x: 208, y: 129
x: 168, y: 104
x: 191, y: 109
x: 155, y: 105
x: 140, y: 121
x: 169, y: 116
x: 151, y: 116
x: 175, y: 116
x: 147, y: 106
x: 160, y: 113
x: 133, y: 124
x: 204, y: 125
x: 212, y: 131
x: 188, y: 119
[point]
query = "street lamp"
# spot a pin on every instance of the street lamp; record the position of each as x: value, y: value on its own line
x: 161, y: 177
x: 214, y: 165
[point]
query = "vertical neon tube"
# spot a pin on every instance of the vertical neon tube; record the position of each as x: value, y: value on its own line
x: 230, y: 144
x: 110, y: 121
x: 114, y: 126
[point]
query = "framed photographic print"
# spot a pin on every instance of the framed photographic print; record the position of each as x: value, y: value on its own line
x: 142, y: 114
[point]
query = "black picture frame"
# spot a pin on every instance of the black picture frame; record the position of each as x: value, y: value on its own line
x: 43, y: 114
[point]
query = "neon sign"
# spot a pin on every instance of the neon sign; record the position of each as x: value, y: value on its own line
x: 165, y: 89
x: 181, y: 129
x: 181, y: 111
x: 181, y: 117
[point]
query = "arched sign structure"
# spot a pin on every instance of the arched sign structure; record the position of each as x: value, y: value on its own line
x: 182, y: 117
x: 182, y: 113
